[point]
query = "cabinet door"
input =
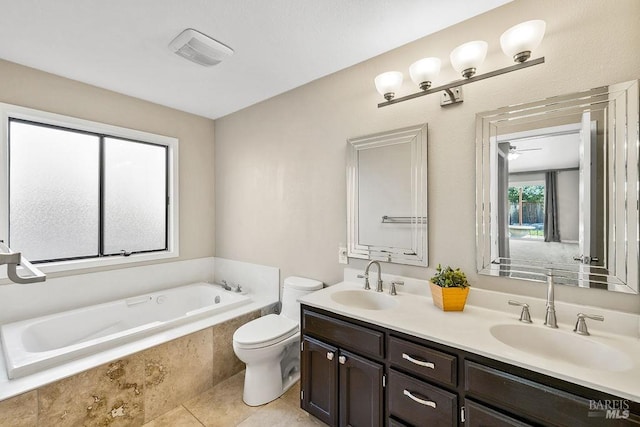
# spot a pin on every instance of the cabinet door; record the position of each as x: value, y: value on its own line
x: 320, y: 380
x: 361, y: 392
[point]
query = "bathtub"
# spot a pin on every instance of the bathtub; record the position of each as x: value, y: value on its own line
x: 36, y: 344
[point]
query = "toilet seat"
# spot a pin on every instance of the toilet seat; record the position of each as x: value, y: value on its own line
x: 264, y: 331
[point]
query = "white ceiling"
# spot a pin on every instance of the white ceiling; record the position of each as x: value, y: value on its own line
x: 544, y: 149
x: 121, y: 45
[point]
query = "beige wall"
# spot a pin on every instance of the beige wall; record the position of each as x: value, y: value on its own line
x: 42, y: 91
x: 280, y: 165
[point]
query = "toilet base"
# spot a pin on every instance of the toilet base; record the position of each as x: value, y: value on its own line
x: 260, y: 395
x: 267, y: 377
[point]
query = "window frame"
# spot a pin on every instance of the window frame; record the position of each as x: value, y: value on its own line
x: 8, y: 111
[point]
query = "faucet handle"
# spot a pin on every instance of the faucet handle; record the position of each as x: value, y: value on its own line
x: 581, y: 324
x: 525, y: 316
x: 365, y: 276
x: 392, y: 288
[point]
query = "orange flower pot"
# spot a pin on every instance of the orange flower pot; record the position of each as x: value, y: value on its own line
x: 449, y: 299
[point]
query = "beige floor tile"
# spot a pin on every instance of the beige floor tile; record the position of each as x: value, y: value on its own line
x: 222, y: 405
x: 292, y: 396
x: 280, y: 413
x: 20, y: 411
x: 178, y: 417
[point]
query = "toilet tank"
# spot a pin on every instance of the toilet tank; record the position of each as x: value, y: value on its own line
x: 293, y: 289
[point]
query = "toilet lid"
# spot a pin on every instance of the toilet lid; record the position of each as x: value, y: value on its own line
x: 264, y: 331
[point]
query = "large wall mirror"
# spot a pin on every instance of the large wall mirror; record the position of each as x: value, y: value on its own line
x: 557, y: 189
x: 387, y: 196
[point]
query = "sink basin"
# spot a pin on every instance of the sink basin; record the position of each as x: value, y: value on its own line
x: 368, y: 300
x: 562, y: 345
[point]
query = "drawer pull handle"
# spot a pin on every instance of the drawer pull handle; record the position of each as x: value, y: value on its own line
x: 418, y: 362
x: 420, y: 399
x: 329, y: 355
x: 342, y: 360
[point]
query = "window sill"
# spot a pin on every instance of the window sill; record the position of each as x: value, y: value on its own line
x: 81, y: 264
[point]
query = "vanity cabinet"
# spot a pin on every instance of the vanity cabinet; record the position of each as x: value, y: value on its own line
x: 339, y: 386
x: 420, y: 403
x: 319, y: 380
x: 411, y: 396
x: 535, y: 401
x: 395, y: 379
x: 477, y: 415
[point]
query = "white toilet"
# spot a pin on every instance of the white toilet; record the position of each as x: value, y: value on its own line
x: 270, y: 346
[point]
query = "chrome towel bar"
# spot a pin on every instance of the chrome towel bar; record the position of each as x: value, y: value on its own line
x: 404, y: 219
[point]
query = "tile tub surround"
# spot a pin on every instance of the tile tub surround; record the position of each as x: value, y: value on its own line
x: 262, y: 285
x: 469, y: 330
x: 134, y: 389
x: 20, y: 411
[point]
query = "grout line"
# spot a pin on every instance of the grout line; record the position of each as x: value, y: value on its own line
x: 193, y: 415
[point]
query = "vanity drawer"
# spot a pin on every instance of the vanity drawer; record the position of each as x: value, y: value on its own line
x: 480, y: 416
x: 419, y: 403
x: 422, y: 361
x: 529, y: 399
x: 344, y: 334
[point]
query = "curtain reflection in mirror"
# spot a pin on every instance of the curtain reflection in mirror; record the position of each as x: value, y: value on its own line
x: 551, y: 228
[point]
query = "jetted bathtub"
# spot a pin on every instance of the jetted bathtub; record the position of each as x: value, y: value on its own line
x: 43, y: 342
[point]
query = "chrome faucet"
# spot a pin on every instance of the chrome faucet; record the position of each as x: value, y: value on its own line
x: 581, y: 324
x: 365, y: 276
x: 223, y: 284
x: 550, y: 317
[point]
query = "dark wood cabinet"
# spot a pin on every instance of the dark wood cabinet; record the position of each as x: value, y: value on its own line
x: 359, y: 374
x: 540, y: 403
x: 319, y: 380
x: 422, y: 361
x: 360, y: 391
x: 478, y: 415
x: 420, y: 403
x: 339, y: 386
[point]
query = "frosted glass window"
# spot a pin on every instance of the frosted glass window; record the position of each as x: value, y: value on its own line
x: 53, y: 192
x: 135, y: 196
x: 76, y: 194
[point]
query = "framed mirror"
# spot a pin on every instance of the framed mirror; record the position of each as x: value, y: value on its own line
x: 387, y: 196
x: 557, y: 189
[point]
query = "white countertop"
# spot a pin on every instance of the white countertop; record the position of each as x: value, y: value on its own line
x: 415, y: 314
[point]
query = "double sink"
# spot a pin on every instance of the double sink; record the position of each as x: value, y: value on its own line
x: 536, y: 340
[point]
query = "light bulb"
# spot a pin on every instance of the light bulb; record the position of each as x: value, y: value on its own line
x: 424, y: 71
x: 518, y: 41
x: 388, y: 83
x: 469, y: 56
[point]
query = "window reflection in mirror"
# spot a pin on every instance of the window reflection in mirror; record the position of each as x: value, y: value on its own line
x: 558, y: 188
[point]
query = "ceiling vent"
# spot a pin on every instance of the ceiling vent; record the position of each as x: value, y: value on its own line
x: 199, y: 48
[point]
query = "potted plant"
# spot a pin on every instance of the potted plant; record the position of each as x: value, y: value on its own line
x: 449, y: 288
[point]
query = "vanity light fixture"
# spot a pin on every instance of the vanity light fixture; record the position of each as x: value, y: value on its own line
x: 424, y: 71
x: 519, y: 40
x: 388, y: 83
x: 469, y: 56
x: 517, y: 43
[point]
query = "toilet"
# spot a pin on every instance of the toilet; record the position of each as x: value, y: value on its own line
x: 270, y: 346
